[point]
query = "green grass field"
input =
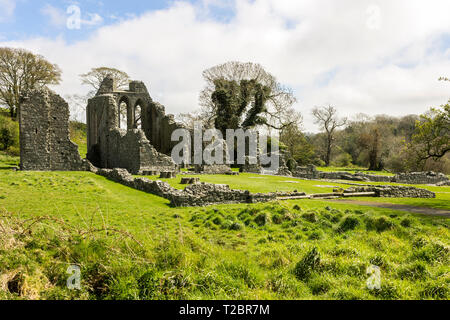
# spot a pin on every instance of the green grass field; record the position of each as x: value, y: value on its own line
x: 132, y: 245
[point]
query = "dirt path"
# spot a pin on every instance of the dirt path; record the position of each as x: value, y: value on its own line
x: 412, y: 209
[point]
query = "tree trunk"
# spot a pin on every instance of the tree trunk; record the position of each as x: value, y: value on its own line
x: 328, y: 156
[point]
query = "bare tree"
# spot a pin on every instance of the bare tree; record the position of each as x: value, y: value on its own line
x: 95, y: 77
x: 20, y: 71
x: 327, y: 118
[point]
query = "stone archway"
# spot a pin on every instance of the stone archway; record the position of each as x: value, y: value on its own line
x: 138, y: 114
x: 123, y: 105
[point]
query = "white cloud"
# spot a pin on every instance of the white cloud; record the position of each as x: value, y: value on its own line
x: 327, y: 51
x: 57, y: 17
x: 7, y: 8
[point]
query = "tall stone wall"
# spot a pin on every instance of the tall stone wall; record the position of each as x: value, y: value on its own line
x: 156, y: 125
x: 44, y: 134
x: 112, y: 147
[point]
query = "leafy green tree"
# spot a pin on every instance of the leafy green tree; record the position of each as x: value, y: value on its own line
x: 20, y: 71
x: 431, y: 139
x: 9, y: 134
x: 297, y: 145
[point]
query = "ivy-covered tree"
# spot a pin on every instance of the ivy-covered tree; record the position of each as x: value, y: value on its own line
x: 244, y: 95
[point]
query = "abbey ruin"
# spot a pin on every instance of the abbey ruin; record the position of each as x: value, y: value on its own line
x: 129, y: 133
x: 127, y: 129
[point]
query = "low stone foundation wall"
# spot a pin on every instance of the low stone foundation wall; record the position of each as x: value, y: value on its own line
x: 421, y: 178
x: 199, y: 194
x: 203, y: 194
x: 311, y: 172
x: 394, y: 191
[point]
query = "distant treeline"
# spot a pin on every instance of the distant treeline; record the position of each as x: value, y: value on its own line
x: 376, y: 143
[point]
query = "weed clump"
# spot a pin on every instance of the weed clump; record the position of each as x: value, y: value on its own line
x: 435, y: 290
x: 380, y: 224
x: 262, y: 219
x: 406, y: 223
x: 310, y: 217
x: 309, y: 264
x: 415, y: 271
x: 349, y: 223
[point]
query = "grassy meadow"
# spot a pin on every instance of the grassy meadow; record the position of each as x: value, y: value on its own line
x: 132, y: 245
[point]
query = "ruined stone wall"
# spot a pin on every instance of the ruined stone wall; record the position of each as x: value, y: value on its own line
x: 201, y: 194
x: 395, y: 191
x: 44, y: 134
x: 311, y: 172
x: 421, y: 178
x: 112, y: 147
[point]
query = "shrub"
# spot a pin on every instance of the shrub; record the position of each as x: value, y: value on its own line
x: 342, y: 160
x: 291, y: 164
x: 309, y: 263
x: 9, y: 135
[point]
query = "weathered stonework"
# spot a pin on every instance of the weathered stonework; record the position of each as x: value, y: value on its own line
x: 44, y: 134
x: 213, y: 169
x: 421, y: 178
x: 251, y: 165
x: 137, y: 149
x: 394, y: 191
x: 190, y: 180
x: 203, y: 194
x: 311, y: 172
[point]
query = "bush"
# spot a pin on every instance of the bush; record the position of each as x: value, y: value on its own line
x: 9, y: 135
x: 291, y: 164
x: 342, y: 160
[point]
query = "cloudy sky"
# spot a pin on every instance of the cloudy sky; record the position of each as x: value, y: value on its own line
x: 375, y: 56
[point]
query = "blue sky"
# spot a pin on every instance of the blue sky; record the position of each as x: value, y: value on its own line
x: 362, y: 56
x: 31, y: 19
